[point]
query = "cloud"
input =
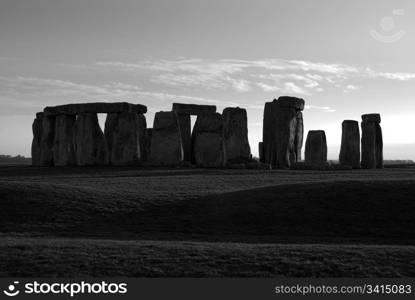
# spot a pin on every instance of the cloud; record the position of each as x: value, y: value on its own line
x: 322, y: 108
x: 267, y: 75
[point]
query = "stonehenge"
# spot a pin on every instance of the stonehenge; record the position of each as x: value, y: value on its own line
x: 37, y: 138
x: 125, y: 133
x: 208, y: 141
x: 166, y: 143
x: 282, y: 132
x: 90, y: 144
x: 68, y: 135
x: 316, y: 148
x: 47, y: 141
x: 236, y: 134
x: 184, y: 111
x: 350, y: 144
x: 372, y: 142
x: 64, y: 144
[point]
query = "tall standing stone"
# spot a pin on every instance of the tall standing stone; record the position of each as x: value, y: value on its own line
x: 37, y: 138
x: 208, y: 141
x: 46, y: 143
x: 350, y: 145
x: 261, y: 151
x: 64, y: 145
x: 125, y: 133
x: 316, y: 148
x: 298, y: 140
x: 283, y: 131
x: 372, y: 142
x: 186, y: 134
x: 142, y: 136
x: 166, y: 143
x: 90, y: 144
x: 184, y: 111
x: 236, y: 133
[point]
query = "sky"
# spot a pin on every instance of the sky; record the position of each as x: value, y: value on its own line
x: 344, y: 58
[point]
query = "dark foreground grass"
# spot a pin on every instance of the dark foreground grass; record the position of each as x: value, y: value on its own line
x: 380, y: 212
x: 206, y: 223
x: 101, y: 258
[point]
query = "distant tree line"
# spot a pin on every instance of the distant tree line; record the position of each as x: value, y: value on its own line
x: 19, y: 159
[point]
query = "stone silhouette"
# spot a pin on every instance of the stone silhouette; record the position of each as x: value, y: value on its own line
x: 208, y: 141
x: 283, y: 132
x: 372, y: 142
x: 236, y: 134
x: 64, y: 145
x: 99, y: 107
x: 90, y: 144
x: 37, y: 138
x: 261, y: 151
x: 68, y: 134
x: 124, y: 133
x: 350, y: 144
x: 184, y: 111
x: 316, y: 148
x: 166, y: 143
x: 46, y: 142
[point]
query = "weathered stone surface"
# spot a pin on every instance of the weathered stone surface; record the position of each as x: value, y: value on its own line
x: 350, y: 145
x: 90, y: 144
x: 291, y: 102
x: 148, y: 137
x: 316, y: 148
x: 298, y: 140
x: 282, y: 132
x: 261, y: 151
x: 166, y: 143
x: 37, y: 138
x: 236, y: 133
x: 46, y: 143
x: 142, y: 136
x: 186, y: 134
x: 372, y: 142
x: 208, y: 141
x: 193, y: 109
x: 64, y: 145
x: 371, y: 118
x: 98, y: 107
x: 125, y: 134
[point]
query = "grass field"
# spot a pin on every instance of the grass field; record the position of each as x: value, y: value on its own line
x: 195, y: 223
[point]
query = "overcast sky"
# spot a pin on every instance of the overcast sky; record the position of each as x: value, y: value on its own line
x: 345, y: 58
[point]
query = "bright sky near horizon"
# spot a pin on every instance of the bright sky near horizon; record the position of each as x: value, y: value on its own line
x: 345, y: 58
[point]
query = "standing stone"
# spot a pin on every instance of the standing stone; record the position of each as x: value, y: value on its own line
x: 298, y: 140
x: 316, y: 148
x: 148, y: 137
x: 46, y: 143
x: 124, y: 133
x: 37, y: 138
x: 350, y: 146
x: 186, y: 134
x: 282, y: 131
x: 236, y: 134
x: 372, y: 142
x: 166, y: 143
x: 142, y: 136
x: 64, y: 145
x: 208, y: 141
x: 90, y: 144
x: 261, y: 151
